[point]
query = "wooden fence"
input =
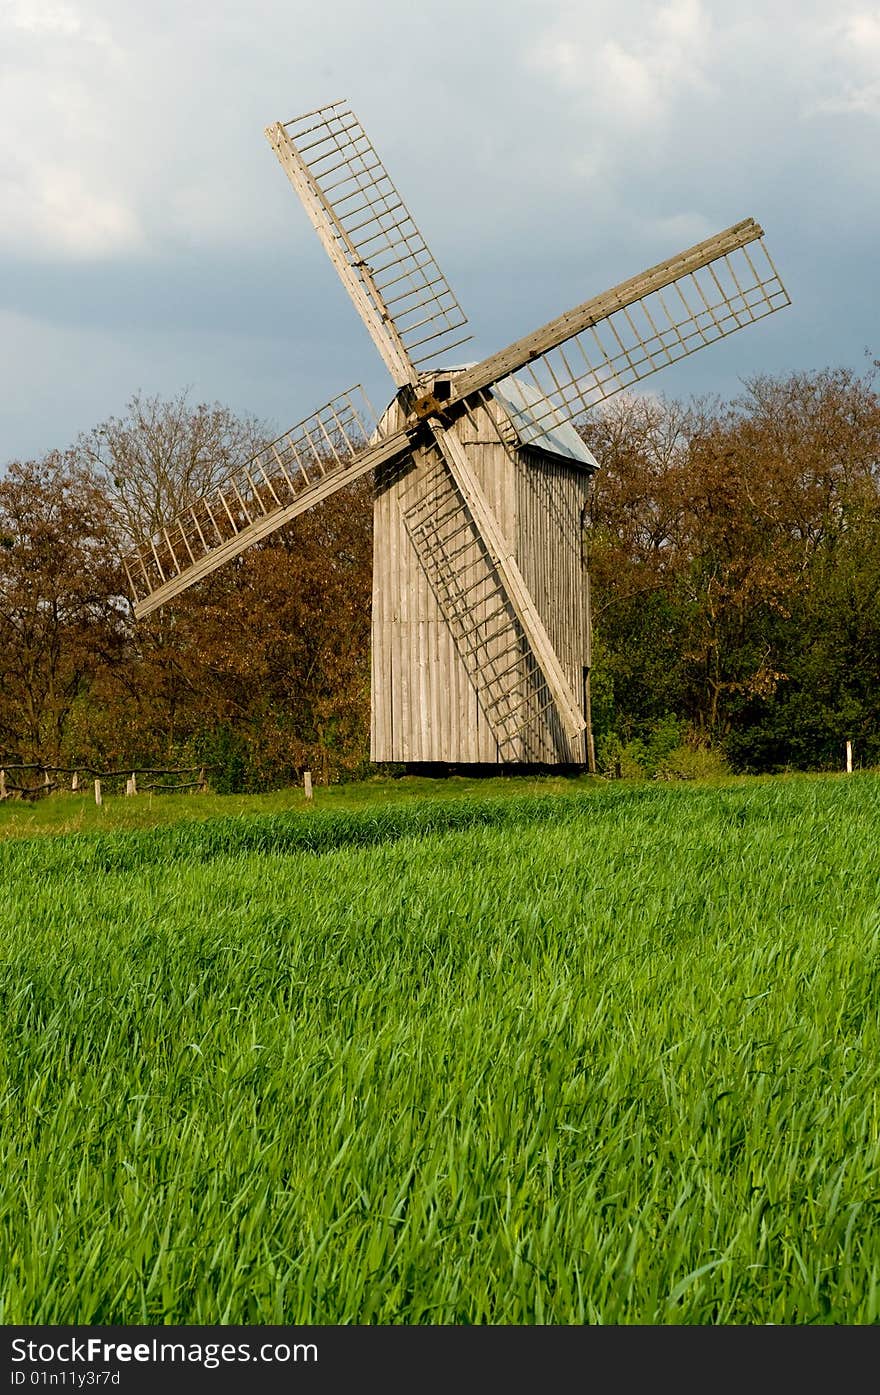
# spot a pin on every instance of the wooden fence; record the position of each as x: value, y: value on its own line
x: 29, y: 780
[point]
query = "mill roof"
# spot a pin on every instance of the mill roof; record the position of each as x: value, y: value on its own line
x: 559, y: 439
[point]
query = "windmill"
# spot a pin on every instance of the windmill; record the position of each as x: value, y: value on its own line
x: 480, y: 626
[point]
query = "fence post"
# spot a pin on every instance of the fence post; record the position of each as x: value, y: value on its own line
x: 849, y: 757
x: 98, y: 799
x: 131, y: 785
x: 307, y: 783
x: 203, y: 784
x: 47, y: 783
x: 2, y: 784
x: 74, y: 784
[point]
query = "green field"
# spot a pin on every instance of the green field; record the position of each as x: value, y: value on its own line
x: 605, y: 1055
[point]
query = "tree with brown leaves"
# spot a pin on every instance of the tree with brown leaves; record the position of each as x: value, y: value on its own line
x: 62, y: 612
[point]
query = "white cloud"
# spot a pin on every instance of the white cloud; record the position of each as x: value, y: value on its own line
x: 33, y: 17
x: 54, y: 209
x: 60, y: 194
x: 633, y: 65
x: 855, y: 64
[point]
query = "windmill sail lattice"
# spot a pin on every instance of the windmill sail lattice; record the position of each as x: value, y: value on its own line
x: 312, y: 460
x: 369, y: 233
x: 618, y: 338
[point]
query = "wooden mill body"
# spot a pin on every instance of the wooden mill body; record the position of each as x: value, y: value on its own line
x: 431, y: 683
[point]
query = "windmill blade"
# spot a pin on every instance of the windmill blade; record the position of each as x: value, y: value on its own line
x: 511, y: 584
x: 317, y: 457
x: 367, y: 231
x: 617, y: 338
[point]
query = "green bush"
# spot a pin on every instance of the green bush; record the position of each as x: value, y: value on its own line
x: 619, y: 760
x: 663, y: 754
x: 693, y: 763
x: 225, y: 752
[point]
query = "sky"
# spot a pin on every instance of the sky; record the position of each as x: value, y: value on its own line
x: 150, y: 242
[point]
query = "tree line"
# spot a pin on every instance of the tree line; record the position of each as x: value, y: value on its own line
x: 734, y: 554
x: 735, y: 558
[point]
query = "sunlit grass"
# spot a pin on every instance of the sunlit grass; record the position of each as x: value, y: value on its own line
x: 603, y: 1056
x: 78, y: 813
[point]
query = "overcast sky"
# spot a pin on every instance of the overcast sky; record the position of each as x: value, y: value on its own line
x: 150, y: 241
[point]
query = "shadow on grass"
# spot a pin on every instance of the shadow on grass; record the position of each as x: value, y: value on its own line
x: 321, y: 831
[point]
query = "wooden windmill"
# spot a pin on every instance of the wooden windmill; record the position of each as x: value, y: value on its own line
x: 480, y: 630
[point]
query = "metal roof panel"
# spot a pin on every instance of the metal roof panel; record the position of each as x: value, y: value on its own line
x: 555, y: 438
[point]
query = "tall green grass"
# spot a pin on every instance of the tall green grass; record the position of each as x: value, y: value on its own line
x: 593, y: 1058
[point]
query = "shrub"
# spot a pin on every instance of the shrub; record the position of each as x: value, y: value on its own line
x: 693, y: 763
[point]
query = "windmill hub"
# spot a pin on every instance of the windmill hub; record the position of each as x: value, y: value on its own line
x: 481, y: 626
x: 434, y: 402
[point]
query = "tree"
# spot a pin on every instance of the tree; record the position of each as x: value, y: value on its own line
x: 633, y: 533
x: 273, y: 649
x: 62, y: 614
x: 161, y: 455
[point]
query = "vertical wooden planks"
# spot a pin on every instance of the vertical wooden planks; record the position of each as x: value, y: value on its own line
x: 377, y: 627
x: 551, y: 495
